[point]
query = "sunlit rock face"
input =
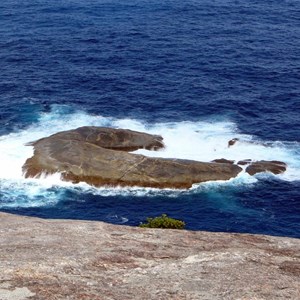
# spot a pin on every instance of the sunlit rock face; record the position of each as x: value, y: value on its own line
x: 99, y: 156
x: 254, y: 167
x: 274, y: 166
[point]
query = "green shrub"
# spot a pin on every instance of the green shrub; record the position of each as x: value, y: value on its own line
x: 163, y: 221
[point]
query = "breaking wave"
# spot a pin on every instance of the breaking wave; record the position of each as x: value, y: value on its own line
x: 204, y: 140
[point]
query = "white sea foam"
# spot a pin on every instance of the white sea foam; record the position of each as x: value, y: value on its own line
x: 202, y: 140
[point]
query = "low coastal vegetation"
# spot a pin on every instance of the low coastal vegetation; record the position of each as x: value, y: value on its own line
x: 163, y: 221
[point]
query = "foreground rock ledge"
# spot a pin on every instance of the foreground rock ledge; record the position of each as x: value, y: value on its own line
x: 60, y: 259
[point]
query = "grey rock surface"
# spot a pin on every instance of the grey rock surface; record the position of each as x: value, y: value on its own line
x: 98, y: 156
x: 273, y: 166
x: 65, y: 259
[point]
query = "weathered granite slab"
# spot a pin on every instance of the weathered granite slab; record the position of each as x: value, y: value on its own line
x: 97, y: 156
x: 65, y: 259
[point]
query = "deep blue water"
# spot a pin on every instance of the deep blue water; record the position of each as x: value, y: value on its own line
x: 156, y: 62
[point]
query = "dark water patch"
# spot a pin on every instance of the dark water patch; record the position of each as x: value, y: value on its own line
x: 270, y: 207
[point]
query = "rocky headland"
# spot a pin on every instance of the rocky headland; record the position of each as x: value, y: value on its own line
x: 101, y: 156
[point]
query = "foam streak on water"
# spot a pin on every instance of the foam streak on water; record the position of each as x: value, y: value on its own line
x: 202, y: 140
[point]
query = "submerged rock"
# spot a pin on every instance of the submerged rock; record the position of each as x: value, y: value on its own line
x: 98, y: 156
x: 232, y: 142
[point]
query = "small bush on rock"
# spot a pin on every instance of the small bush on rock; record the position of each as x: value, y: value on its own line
x: 163, y: 221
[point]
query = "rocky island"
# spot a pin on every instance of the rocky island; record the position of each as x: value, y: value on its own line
x: 102, y: 156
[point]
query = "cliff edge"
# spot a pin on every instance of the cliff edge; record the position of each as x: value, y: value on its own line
x: 67, y: 259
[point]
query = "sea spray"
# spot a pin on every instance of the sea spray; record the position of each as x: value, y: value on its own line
x: 203, y: 141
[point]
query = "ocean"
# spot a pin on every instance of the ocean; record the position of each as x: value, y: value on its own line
x: 197, y: 72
